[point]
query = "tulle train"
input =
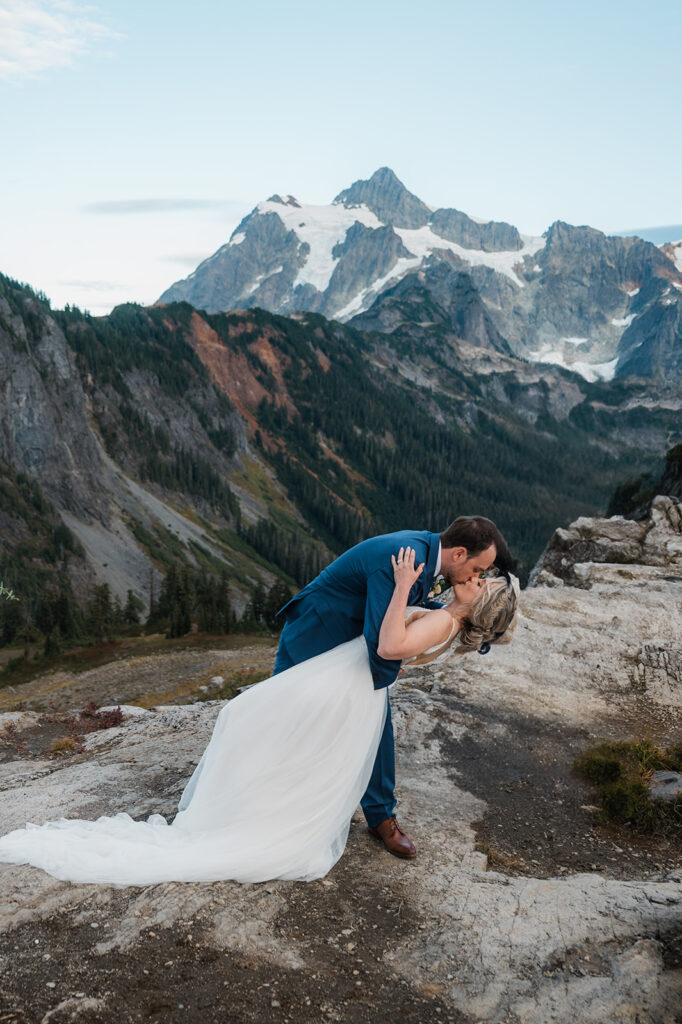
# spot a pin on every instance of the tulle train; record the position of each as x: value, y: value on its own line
x: 272, y: 796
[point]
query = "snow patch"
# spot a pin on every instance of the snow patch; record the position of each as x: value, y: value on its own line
x: 590, y: 371
x: 237, y: 239
x: 322, y: 228
x: 625, y: 321
x: 263, y: 277
x: 574, y: 341
x: 423, y: 241
x: 365, y: 298
x: 596, y: 371
x: 635, y: 291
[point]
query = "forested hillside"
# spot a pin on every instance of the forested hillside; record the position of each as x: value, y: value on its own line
x: 252, y: 447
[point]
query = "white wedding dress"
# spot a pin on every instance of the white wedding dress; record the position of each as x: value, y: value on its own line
x: 272, y: 796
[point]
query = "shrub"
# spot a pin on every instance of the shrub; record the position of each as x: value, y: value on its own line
x: 621, y: 772
x: 65, y: 745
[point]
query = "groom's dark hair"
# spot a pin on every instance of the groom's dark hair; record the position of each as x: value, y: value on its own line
x: 476, y: 533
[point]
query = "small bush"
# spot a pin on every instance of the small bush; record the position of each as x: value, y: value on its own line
x: 65, y: 745
x: 92, y: 719
x: 602, y: 764
x: 621, y: 772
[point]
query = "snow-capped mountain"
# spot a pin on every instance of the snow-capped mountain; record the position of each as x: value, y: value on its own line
x: 575, y: 297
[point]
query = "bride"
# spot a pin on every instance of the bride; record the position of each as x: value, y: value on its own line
x: 287, y: 764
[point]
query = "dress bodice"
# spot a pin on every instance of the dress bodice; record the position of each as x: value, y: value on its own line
x: 432, y: 653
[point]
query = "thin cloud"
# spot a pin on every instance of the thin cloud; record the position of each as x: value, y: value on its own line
x: 192, y: 258
x: 159, y: 205
x: 36, y: 35
x: 95, y: 286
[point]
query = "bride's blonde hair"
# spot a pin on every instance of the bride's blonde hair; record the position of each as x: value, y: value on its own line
x: 491, y: 617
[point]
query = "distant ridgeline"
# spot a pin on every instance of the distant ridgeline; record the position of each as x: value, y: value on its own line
x: 250, y: 448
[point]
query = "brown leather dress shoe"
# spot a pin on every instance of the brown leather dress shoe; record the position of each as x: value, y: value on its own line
x: 394, y: 839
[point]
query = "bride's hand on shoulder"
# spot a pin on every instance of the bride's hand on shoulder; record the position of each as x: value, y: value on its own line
x: 405, y: 572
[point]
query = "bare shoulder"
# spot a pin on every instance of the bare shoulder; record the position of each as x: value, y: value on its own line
x: 433, y: 624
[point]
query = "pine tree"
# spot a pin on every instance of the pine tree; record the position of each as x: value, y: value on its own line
x: 278, y: 595
x: 53, y: 644
x: 258, y: 603
x: 132, y: 609
x: 100, y: 612
x: 223, y: 604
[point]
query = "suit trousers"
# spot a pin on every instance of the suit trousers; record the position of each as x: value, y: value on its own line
x: 379, y: 801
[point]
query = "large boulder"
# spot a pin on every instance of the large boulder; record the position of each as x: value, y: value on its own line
x: 655, y: 540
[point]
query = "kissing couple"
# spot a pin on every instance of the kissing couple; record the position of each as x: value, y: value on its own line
x: 291, y: 757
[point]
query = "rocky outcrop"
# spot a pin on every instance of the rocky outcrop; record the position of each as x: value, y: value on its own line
x: 441, y: 296
x: 521, y: 905
x: 574, y: 554
x: 488, y: 236
x: 258, y: 265
x: 652, y: 344
x: 44, y: 426
x: 364, y: 255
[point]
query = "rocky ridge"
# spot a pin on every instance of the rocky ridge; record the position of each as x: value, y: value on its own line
x: 152, y: 430
x: 522, y: 906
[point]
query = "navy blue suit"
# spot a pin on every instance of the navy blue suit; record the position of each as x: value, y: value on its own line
x: 348, y: 598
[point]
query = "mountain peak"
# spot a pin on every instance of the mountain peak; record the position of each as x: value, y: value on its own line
x: 385, y: 177
x: 386, y: 196
x: 284, y: 200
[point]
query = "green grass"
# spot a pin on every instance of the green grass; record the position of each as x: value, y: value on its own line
x: 620, y: 771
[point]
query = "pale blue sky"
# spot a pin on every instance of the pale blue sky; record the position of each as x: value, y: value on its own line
x: 526, y: 112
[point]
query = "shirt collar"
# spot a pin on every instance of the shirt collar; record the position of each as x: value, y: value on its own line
x: 440, y: 552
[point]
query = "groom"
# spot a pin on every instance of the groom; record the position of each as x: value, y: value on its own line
x: 351, y: 596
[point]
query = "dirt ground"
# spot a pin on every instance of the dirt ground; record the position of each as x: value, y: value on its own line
x: 541, y: 818
x: 144, y: 680
x: 177, y: 975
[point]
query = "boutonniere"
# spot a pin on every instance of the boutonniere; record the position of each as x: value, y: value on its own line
x: 439, y: 585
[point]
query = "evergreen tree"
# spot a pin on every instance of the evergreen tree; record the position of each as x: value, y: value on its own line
x: 223, y: 604
x: 53, y: 644
x: 11, y: 621
x: 66, y: 614
x: 132, y: 609
x: 258, y: 604
x: 206, y: 604
x: 117, y: 612
x: 100, y: 612
x: 180, y: 599
x: 278, y: 595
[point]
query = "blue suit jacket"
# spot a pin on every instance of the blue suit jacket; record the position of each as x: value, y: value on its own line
x: 351, y: 596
